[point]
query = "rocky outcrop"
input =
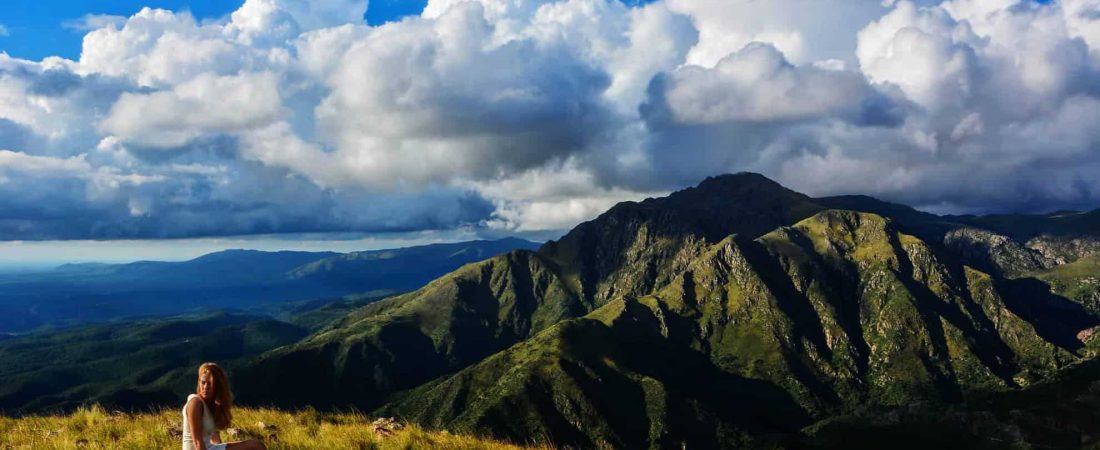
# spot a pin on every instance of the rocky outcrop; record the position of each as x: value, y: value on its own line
x: 997, y: 253
x: 1063, y: 250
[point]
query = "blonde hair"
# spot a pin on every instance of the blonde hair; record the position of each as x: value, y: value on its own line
x: 223, y: 397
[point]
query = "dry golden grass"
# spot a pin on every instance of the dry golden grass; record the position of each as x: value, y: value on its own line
x: 95, y: 428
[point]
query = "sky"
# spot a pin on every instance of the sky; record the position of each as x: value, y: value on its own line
x: 181, y: 125
x: 43, y: 28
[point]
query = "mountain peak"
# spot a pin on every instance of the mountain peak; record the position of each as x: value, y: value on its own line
x: 740, y: 179
x: 742, y: 187
x: 743, y: 203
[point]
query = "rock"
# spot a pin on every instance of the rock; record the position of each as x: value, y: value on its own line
x: 1088, y: 334
x: 266, y: 426
x: 988, y: 250
x: 386, y: 426
x: 232, y: 432
x: 1061, y: 249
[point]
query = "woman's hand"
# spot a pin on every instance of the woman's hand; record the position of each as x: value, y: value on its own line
x: 216, y: 438
x: 194, y: 422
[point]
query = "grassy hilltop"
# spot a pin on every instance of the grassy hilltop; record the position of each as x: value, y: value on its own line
x: 96, y: 428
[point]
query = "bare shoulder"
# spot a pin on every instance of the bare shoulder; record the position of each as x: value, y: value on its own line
x: 194, y: 403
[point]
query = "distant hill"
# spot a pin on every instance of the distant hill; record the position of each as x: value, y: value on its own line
x: 128, y: 365
x: 401, y: 269
x: 75, y: 294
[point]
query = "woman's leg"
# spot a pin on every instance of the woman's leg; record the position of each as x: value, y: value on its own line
x: 246, y: 445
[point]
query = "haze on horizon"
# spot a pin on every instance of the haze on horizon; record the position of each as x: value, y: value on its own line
x: 173, y: 130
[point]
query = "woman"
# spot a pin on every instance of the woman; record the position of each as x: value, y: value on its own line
x: 208, y: 410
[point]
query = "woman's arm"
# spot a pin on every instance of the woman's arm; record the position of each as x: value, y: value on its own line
x: 216, y: 438
x: 194, y: 422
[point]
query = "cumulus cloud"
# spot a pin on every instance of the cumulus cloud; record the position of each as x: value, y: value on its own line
x: 757, y: 84
x: 207, y: 104
x: 804, y: 30
x: 273, y: 22
x: 91, y: 22
x: 531, y: 116
x: 443, y: 101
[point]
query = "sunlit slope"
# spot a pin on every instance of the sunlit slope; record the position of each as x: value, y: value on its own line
x: 837, y: 311
x: 401, y: 342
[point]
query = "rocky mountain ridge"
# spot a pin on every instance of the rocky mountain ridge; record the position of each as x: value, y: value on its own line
x: 753, y: 287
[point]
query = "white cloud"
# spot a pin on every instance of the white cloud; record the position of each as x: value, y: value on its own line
x: 925, y: 52
x: 314, y: 14
x: 99, y: 182
x: 91, y: 22
x: 205, y: 105
x: 275, y: 22
x: 11, y: 161
x: 657, y: 41
x: 4, y: 31
x: 552, y: 198
x: 804, y: 30
x: 757, y: 84
x: 534, y: 115
x: 443, y: 101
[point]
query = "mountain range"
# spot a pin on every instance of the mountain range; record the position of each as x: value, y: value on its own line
x: 75, y: 294
x: 733, y: 314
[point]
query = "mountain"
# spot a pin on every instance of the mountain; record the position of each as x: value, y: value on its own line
x: 728, y: 314
x: 406, y: 340
x: 635, y: 247
x: 610, y: 379
x: 1059, y: 413
x: 836, y: 312
x: 245, y: 279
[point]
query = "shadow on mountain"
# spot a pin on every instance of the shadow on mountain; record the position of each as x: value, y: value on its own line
x: 1055, y: 318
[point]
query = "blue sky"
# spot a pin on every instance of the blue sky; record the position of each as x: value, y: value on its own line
x: 37, y: 29
x: 487, y: 118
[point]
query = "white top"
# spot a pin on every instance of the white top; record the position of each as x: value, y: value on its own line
x: 207, y: 426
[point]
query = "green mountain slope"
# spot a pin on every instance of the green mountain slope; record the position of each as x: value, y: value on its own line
x: 128, y: 365
x: 609, y: 379
x: 1079, y: 280
x: 838, y: 311
x: 406, y: 340
x: 1059, y: 413
x: 636, y: 247
x: 625, y: 331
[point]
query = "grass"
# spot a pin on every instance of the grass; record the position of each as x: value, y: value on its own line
x: 1084, y: 271
x: 96, y: 428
